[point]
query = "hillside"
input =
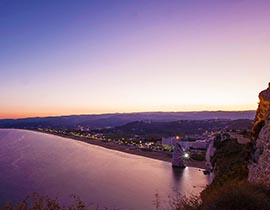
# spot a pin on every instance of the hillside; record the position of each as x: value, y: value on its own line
x: 182, y: 127
x: 118, y: 119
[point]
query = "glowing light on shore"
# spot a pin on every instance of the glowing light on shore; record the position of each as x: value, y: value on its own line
x: 186, y: 155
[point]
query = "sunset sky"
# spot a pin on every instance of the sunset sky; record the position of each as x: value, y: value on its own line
x: 77, y: 57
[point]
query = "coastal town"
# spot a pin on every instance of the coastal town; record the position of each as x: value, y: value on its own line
x: 196, y: 145
x: 194, y: 142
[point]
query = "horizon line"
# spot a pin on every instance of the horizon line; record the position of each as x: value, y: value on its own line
x: 113, y: 113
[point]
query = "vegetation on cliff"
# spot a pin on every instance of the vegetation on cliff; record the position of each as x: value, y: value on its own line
x: 229, y: 189
x: 230, y: 161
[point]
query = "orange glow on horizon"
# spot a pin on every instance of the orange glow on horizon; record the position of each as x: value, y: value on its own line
x: 15, y: 113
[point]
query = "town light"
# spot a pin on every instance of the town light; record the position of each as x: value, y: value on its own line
x: 186, y: 155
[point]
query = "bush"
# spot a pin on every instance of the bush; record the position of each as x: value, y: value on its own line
x: 40, y: 202
x: 231, y: 162
x: 179, y: 202
x: 235, y: 196
x: 238, y: 196
x: 35, y: 202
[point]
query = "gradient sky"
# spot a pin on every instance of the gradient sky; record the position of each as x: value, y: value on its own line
x: 75, y: 57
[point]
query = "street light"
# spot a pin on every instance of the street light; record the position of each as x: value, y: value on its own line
x: 186, y: 155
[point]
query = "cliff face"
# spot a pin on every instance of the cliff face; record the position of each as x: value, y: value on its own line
x: 259, y: 169
x: 263, y: 113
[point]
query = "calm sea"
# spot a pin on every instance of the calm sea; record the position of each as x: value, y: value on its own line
x: 61, y: 167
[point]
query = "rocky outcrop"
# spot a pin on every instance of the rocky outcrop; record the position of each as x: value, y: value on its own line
x: 209, y: 167
x: 178, y: 156
x: 263, y: 113
x: 210, y: 152
x: 259, y: 169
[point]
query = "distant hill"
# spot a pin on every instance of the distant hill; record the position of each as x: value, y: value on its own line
x: 161, y: 129
x: 118, y: 119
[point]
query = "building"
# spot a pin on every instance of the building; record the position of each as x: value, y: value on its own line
x: 170, y: 141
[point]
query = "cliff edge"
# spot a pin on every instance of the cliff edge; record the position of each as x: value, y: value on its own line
x: 262, y: 117
x: 259, y: 169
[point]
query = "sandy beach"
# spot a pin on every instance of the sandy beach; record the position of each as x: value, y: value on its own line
x: 159, y: 155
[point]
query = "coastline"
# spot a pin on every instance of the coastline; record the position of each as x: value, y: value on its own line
x: 158, y: 155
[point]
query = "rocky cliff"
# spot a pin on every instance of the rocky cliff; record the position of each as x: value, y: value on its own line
x: 259, y: 169
x: 262, y: 117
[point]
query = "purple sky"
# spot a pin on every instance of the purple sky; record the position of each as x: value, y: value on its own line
x: 72, y: 57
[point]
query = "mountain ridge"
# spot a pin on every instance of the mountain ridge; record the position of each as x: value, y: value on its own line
x: 95, y: 121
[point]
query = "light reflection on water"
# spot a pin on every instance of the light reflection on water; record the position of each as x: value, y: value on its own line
x: 56, y: 166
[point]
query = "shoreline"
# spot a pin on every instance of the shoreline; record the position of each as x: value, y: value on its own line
x: 157, y: 155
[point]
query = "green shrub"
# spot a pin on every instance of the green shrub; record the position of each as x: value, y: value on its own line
x: 234, y: 196
x: 231, y: 162
x: 40, y: 202
x: 35, y: 202
x: 238, y: 196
